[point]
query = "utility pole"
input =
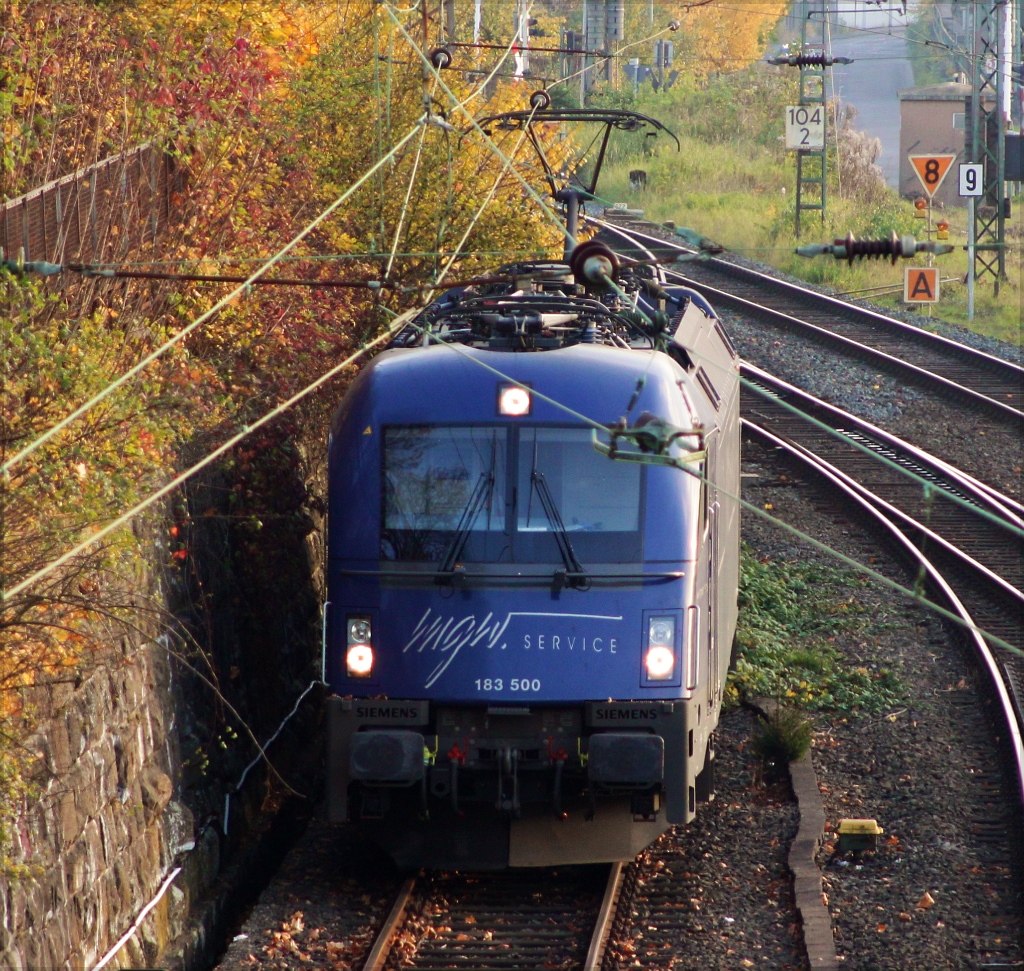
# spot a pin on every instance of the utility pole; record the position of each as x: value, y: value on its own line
x: 986, y: 143
x: 603, y: 25
x: 811, y: 182
x: 1017, y: 57
x: 806, y: 124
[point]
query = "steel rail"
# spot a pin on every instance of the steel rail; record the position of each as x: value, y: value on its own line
x: 542, y: 935
x: 965, y: 517
x: 986, y: 495
x: 382, y: 946
x: 605, y: 918
x: 883, y: 516
x: 943, y: 345
x: 854, y: 348
x: 764, y: 279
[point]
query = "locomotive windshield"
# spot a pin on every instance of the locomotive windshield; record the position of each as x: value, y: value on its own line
x: 505, y: 494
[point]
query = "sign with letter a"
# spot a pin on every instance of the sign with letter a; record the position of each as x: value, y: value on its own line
x: 921, y: 284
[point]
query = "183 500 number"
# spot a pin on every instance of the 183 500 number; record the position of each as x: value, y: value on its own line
x: 515, y: 684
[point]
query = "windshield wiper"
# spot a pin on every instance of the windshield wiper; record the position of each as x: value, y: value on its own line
x: 573, y: 573
x: 481, y: 498
x: 478, y: 501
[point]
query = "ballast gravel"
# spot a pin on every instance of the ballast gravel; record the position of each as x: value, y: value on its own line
x: 914, y: 769
x: 993, y: 453
x: 930, y: 896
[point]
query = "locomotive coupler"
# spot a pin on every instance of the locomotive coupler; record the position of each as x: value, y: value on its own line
x: 508, y: 775
x: 558, y: 758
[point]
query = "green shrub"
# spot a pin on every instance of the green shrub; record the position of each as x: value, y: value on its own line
x: 783, y: 737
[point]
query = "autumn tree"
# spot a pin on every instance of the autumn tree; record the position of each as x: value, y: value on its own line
x: 270, y: 111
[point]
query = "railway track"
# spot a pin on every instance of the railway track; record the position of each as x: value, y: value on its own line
x: 558, y: 918
x: 981, y: 599
x: 970, y: 531
x: 976, y: 562
x: 569, y: 919
x: 959, y: 513
x: 989, y: 384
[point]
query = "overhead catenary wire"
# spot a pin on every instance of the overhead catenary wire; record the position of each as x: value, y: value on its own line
x: 487, y: 200
x: 397, y: 324
x: 212, y: 456
x: 408, y: 194
x: 412, y: 177
x: 242, y: 287
x: 488, y: 141
x: 509, y: 164
x: 912, y: 593
x: 611, y: 55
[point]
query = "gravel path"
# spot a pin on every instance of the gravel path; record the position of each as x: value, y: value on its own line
x: 996, y: 457
x: 716, y: 894
x: 321, y: 910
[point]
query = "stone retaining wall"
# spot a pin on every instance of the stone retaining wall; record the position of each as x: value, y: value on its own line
x: 135, y: 760
x: 105, y: 828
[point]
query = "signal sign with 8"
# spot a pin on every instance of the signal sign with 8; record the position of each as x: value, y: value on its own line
x: 931, y: 170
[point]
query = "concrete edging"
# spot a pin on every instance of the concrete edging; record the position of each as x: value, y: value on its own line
x: 810, y: 903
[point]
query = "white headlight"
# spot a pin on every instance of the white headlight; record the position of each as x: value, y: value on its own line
x: 359, y: 661
x: 359, y: 630
x: 660, y: 661
x: 513, y: 401
x: 661, y: 631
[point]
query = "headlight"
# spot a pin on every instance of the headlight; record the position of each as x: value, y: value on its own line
x: 359, y: 661
x: 661, y: 631
x: 514, y: 401
x: 359, y: 630
x: 358, y: 654
x: 660, y: 660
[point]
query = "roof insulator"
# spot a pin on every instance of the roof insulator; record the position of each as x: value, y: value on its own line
x: 809, y: 60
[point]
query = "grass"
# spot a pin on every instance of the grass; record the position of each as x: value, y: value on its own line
x: 733, y: 182
x: 792, y: 615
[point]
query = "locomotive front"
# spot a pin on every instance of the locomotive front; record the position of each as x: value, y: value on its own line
x: 522, y: 635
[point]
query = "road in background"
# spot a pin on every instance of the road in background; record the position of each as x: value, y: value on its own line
x: 880, y: 69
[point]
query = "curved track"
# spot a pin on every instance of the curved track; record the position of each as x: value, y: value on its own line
x: 955, y: 511
x: 980, y: 600
x: 990, y: 384
x: 961, y: 537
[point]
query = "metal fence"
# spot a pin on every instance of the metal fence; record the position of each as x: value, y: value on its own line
x: 97, y: 214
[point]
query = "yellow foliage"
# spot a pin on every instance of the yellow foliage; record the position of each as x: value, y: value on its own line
x: 726, y: 36
x: 288, y: 28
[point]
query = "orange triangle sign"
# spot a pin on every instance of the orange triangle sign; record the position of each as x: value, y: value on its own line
x: 931, y: 170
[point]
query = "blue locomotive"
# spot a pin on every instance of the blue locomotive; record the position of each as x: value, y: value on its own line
x: 533, y: 557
